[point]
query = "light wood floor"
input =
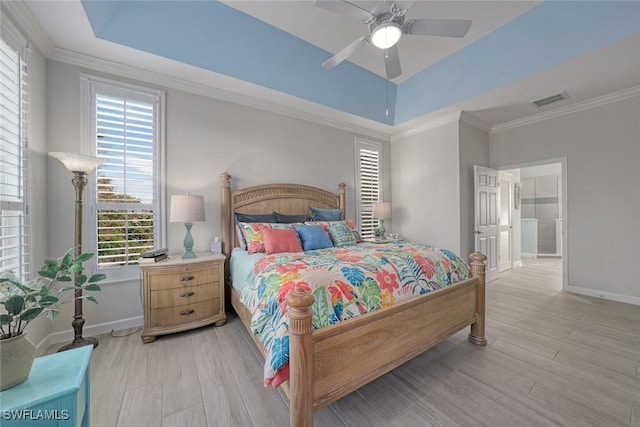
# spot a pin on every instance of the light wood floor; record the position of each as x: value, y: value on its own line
x: 553, y: 359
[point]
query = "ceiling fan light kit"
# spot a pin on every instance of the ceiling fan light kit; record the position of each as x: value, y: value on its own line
x: 386, y: 26
x: 386, y: 35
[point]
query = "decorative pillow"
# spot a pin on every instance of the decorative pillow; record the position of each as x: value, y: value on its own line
x: 253, y: 233
x: 277, y: 241
x: 325, y: 224
x: 267, y: 218
x: 313, y: 237
x: 240, y: 235
x: 289, y: 219
x: 318, y: 214
x: 341, y: 234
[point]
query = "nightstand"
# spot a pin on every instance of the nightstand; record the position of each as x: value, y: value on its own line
x: 57, y: 392
x: 182, y: 294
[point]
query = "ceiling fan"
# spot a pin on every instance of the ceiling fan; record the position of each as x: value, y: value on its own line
x: 386, y: 25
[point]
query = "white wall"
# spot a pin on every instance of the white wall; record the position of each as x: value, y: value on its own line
x: 432, y: 185
x: 602, y: 151
x: 204, y: 137
x: 426, y: 187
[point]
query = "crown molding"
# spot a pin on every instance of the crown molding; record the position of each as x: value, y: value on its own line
x: 27, y: 23
x: 260, y: 98
x: 570, y: 109
x: 425, y: 124
x: 475, y: 122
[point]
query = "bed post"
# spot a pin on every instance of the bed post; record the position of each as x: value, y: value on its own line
x: 477, y: 335
x: 225, y: 220
x: 300, y: 358
x: 341, y: 198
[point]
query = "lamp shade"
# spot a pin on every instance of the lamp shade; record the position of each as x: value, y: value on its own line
x: 187, y: 208
x: 77, y: 162
x: 382, y: 210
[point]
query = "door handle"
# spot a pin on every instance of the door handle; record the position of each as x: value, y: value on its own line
x: 477, y: 232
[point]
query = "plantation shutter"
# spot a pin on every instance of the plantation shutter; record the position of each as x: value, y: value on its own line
x: 14, y: 222
x: 126, y: 192
x: 369, y: 157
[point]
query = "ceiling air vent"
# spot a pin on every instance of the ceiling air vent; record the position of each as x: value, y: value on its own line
x: 551, y: 99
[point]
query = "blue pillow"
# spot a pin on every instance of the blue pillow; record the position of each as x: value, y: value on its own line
x: 290, y: 219
x: 313, y: 237
x: 240, y: 217
x: 318, y: 214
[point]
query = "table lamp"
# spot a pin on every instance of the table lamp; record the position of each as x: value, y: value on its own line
x: 382, y: 211
x: 187, y: 208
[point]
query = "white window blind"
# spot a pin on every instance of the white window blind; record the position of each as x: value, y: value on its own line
x: 369, y: 185
x: 14, y: 222
x: 127, y: 196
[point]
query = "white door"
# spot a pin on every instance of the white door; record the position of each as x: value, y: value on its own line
x: 506, y: 223
x: 486, y: 217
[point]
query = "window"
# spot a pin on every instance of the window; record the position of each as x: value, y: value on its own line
x: 368, y: 181
x: 14, y: 219
x: 126, y: 130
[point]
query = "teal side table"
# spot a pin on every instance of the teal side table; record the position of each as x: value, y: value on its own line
x: 57, y: 393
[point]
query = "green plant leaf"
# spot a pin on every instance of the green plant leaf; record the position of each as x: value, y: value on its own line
x: 5, y: 319
x: 48, y: 300
x: 92, y: 287
x: 76, y: 268
x: 31, y: 314
x: 97, y: 277
x: 81, y: 280
x: 68, y: 288
x: 14, y: 304
x: 64, y: 278
x: 84, y: 257
x: 47, y: 274
x: 90, y: 298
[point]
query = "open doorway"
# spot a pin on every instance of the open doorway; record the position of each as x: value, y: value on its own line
x: 536, y: 218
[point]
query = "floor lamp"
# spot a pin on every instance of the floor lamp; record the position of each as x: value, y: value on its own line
x: 80, y: 165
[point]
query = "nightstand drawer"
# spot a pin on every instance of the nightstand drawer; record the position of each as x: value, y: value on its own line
x: 171, y: 316
x: 186, y: 295
x: 182, y: 277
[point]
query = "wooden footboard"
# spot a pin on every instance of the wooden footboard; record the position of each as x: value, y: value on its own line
x: 379, y: 341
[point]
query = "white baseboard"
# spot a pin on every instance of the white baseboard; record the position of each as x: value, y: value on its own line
x: 89, y: 331
x: 526, y: 255
x: 605, y: 295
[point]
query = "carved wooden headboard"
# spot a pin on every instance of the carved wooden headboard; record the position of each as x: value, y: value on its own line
x: 289, y: 199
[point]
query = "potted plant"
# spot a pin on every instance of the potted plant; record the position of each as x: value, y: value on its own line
x: 25, y: 301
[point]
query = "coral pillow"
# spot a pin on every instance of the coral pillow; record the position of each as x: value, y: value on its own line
x: 277, y: 241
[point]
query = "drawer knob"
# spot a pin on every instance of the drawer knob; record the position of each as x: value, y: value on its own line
x: 186, y: 312
x: 187, y: 294
x: 186, y: 278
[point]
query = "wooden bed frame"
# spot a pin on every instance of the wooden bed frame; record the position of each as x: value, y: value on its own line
x: 380, y: 341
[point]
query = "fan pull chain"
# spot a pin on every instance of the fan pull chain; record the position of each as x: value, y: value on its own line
x: 386, y: 86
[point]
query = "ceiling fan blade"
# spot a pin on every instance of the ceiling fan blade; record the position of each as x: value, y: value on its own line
x: 392, y: 62
x: 437, y: 27
x: 404, y: 4
x: 343, y: 7
x: 346, y: 52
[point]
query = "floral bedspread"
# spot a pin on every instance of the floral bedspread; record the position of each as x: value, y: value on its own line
x: 346, y: 282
